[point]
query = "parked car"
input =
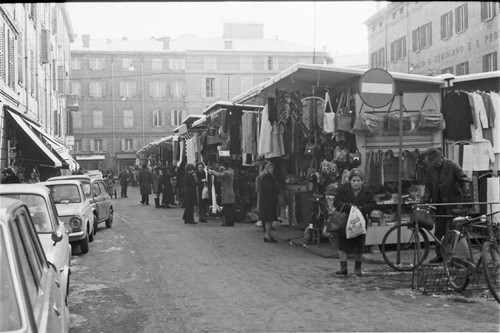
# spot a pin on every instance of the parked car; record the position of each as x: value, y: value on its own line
x: 99, y: 193
x: 31, y: 295
x: 76, y: 208
x: 44, y: 214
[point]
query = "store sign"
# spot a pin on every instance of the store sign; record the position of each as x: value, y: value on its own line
x: 224, y: 153
x: 376, y: 88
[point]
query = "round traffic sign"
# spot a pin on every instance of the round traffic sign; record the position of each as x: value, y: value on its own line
x: 377, y: 87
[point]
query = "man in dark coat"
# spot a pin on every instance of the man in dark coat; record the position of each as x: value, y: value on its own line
x: 445, y: 183
x: 145, y: 182
x: 124, y: 177
x: 189, y: 194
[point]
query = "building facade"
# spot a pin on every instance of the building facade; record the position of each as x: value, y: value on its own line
x: 133, y: 92
x: 34, y: 80
x: 433, y: 38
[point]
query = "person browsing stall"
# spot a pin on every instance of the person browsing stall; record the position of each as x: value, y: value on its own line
x: 226, y: 177
x: 268, y: 201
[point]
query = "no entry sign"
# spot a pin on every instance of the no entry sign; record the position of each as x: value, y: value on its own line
x: 376, y: 88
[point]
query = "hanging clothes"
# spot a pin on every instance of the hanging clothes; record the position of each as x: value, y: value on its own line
x: 248, y: 138
x: 495, y: 108
x: 190, y: 151
x: 458, y: 116
x: 265, y: 144
x: 272, y: 115
x: 215, y: 207
x: 234, y: 115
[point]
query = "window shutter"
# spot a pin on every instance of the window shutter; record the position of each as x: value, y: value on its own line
x: 163, y: 118
x: 91, y: 145
x: 172, y: 118
x: 429, y: 28
x: 217, y: 88
x: 484, y: 8
x: 2, y: 51
x: 485, y: 63
x: 414, y: 39
x: 10, y: 58
x: 135, y: 144
x: 133, y: 89
x: 44, y: 46
x: 443, y: 26
x: 494, y: 55
x: 392, y: 52
x: 104, y: 145
x: 151, y: 89
x: 404, y: 47
x: 276, y: 64
x: 203, y: 88
x: 466, y: 17
x: 122, y: 144
x: 103, y: 88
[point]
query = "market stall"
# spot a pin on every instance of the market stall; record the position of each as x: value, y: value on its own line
x: 319, y: 129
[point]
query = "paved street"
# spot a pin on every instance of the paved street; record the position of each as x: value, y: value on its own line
x: 152, y: 273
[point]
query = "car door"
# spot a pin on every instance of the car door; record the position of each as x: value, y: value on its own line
x: 99, y: 200
x: 44, y: 293
x: 106, y: 199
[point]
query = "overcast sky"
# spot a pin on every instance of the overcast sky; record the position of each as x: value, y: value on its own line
x: 339, y: 24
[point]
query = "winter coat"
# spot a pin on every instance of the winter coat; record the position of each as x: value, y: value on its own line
x: 156, y: 177
x: 145, y: 181
x: 345, y: 197
x: 165, y: 187
x: 190, y: 189
x: 226, y: 179
x: 448, y: 182
x: 124, y: 177
x: 268, y: 198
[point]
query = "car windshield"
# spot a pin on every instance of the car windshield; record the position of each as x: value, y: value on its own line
x: 38, y: 211
x: 65, y: 193
x: 9, y: 305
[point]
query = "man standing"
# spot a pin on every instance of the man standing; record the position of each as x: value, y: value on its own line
x: 145, y: 182
x: 124, y: 176
x: 445, y: 183
x: 226, y: 177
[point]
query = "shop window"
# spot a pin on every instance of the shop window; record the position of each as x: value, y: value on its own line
x: 128, y: 119
x: 78, y: 145
x: 127, y: 63
x: 447, y: 70
x: 461, y: 19
x: 398, y: 49
x: 462, y: 69
x: 156, y: 64
x: 176, y: 117
x: 210, y: 63
x: 488, y: 10
x: 490, y: 62
x: 127, y: 89
x: 156, y: 89
x: 210, y: 87
x: 96, y: 64
x: 76, y: 64
x: 246, y: 64
x: 158, y: 118
x: 97, y: 119
x: 176, y: 64
x: 96, y: 89
x: 128, y: 144
x: 447, y: 25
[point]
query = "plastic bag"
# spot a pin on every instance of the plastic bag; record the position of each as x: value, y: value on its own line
x: 204, y: 192
x: 356, y: 224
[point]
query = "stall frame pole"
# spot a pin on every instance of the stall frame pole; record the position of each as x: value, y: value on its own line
x: 400, y: 172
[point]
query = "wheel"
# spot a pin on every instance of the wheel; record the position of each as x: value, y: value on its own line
x: 109, y: 221
x: 491, y: 267
x: 84, y: 244
x: 407, y: 249
x: 94, y: 231
x: 456, y: 259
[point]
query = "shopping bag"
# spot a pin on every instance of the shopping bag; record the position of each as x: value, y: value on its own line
x: 328, y: 115
x: 423, y: 218
x: 204, y: 192
x: 337, y: 221
x: 430, y: 118
x: 356, y: 224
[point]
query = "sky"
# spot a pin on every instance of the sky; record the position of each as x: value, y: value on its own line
x: 339, y: 24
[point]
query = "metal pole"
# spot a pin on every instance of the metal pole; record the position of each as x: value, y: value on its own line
x: 400, y: 169
x: 113, y: 134
x: 142, y: 102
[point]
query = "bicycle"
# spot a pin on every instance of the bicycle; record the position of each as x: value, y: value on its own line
x: 460, y: 247
x: 407, y: 238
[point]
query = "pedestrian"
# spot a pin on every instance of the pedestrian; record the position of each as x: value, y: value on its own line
x: 131, y: 176
x: 353, y: 193
x: 201, y: 183
x: 445, y: 183
x: 257, y: 190
x: 180, y: 173
x: 124, y: 180
x: 268, y: 200
x: 9, y: 176
x: 189, y: 194
x: 145, y: 179
x: 156, y: 190
x: 33, y: 178
x: 165, y: 186
x: 226, y: 178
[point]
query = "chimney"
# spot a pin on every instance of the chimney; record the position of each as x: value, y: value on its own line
x: 86, y: 40
x: 228, y: 44
x: 165, y: 41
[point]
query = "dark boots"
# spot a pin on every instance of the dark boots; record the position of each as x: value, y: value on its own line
x: 343, y: 268
x: 157, y: 202
x: 357, y: 268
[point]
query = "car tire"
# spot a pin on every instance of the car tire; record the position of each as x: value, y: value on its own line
x: 84, y: 244
x: 109, y: 221
x: 94, y: 231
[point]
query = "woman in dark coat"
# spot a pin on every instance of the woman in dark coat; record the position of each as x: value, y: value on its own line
x: 189, y: 194
x: 201, y: 182
x: 165, y: 186
x: 350, y: 194
x: 145, y: 182
x: 268, y: 201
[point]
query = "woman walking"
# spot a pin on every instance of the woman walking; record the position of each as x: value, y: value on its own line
x: 268, y: 200
x: 353, y: 193
x: 156, y: 190
x: 201, y: 182
x: 226, y: 177
x: 189, y: 194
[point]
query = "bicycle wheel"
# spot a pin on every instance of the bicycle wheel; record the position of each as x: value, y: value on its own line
x: 407, y: 248
x: 491, y: 267
x: 456, y: 259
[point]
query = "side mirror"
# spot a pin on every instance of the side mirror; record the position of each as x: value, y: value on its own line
x: 56, y: 236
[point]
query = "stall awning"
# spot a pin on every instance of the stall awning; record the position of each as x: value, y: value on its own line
x: 225, y: 104
x: 189, y: 120
x: 59, y: 148
x: 90, y: 157
x: 307, y: 76
x: 56, y: 160
x: 199, y: 122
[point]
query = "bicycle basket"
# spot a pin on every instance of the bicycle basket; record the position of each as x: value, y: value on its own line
x: 423, y: 218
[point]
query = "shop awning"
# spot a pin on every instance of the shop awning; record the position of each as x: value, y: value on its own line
x: 54, y: 159
x: 90, y: 157
x: 59, y: 148
x: 306, y: 76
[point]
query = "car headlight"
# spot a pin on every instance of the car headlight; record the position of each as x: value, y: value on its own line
x: 75, y: 222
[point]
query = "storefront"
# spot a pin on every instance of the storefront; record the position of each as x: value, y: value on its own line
x: 30, y: 147
x: 310, y: 125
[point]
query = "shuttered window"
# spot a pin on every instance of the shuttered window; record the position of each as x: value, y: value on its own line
x: 210, y: 63
x: 77, y: 119
x: 96, y: 64
x: 76, y: 88
x: 156, y: 64
x: 398, y: 49
x: 461, y: 18
x: 176, y: 117
x: 157, y: 89
x: 127, y: 89
x: 415, y: 40
x: 20, y: 59
x: 10, y: 58
x: 488, y: 10
x: 158, y: 118
x: 490, y: 62
x: 2, y: 52
x: 447, y: 25
x: 462, y: 69
x: 96, y: 89
x: 128, y: 118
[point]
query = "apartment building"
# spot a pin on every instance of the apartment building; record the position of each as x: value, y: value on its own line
x: 34, y: 79
x: 433, y: 38
x: 133, y: 92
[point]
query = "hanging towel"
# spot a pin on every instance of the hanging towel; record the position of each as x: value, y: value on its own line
x: 248, y: 133
x: 215, y: 207
x: 265, y: 144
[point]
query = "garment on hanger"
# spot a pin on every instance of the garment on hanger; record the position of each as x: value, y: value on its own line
x: 272, y: 114
x: 478, y: 156
x: 265, y: 144
x: 495, y: 103
x: 248, y: 138
x: 458, y: 116
x: 234, y: 115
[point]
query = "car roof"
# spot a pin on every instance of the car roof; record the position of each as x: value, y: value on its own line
x: 64, y: 181
x: 85, y: 177
x: 37, y: 188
